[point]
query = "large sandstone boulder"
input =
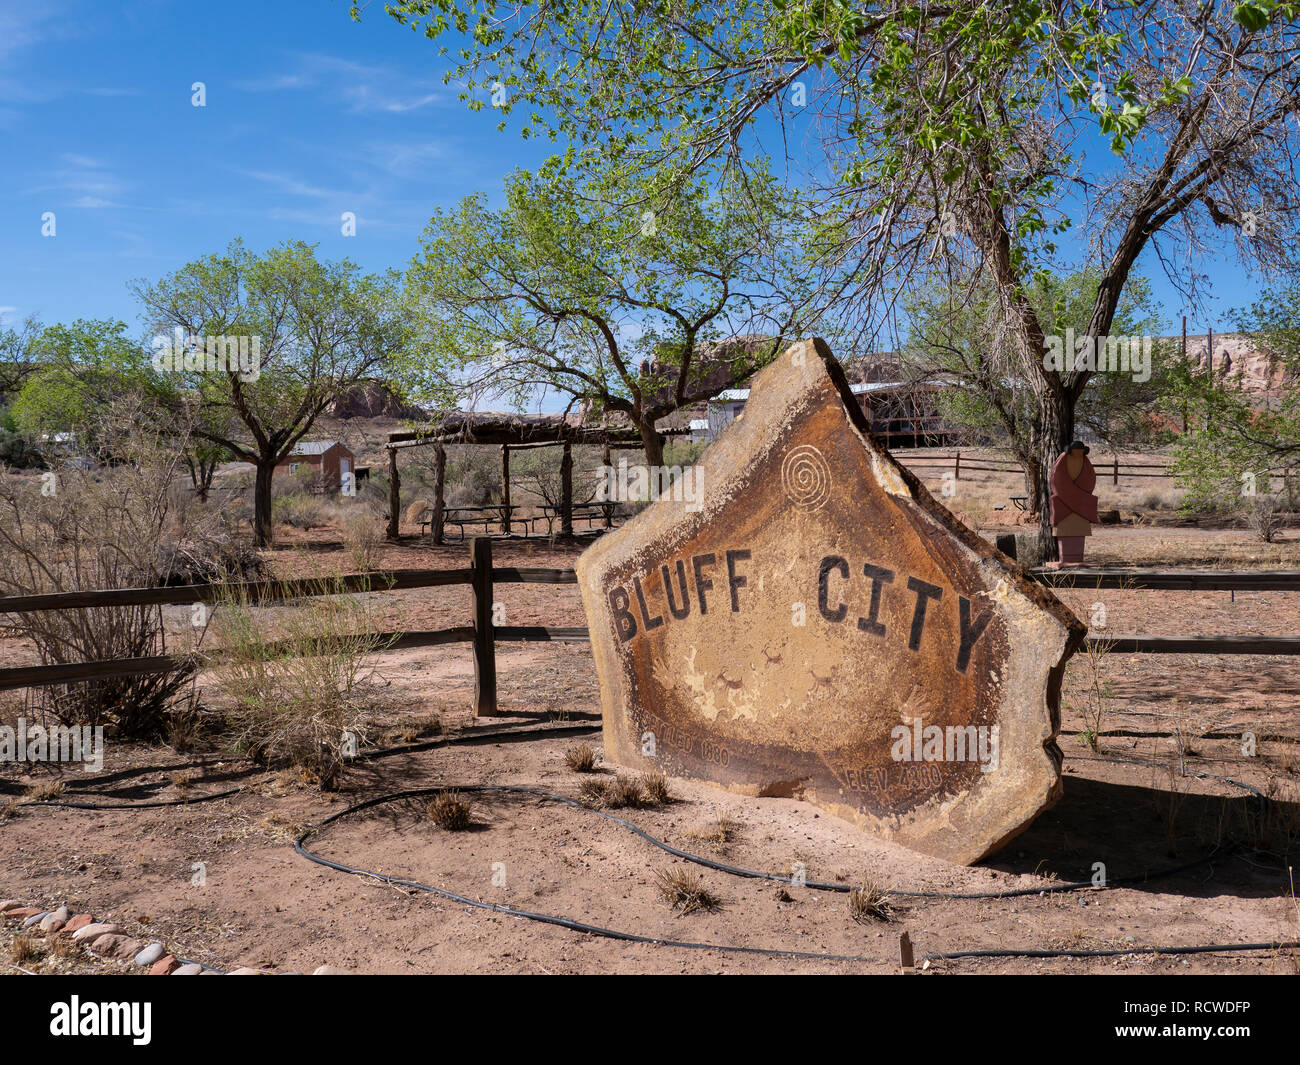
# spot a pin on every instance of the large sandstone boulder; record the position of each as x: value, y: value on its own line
x: 805, y: 620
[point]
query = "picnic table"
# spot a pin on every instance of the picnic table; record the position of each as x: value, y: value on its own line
x: 1020, y: 502
x: 460, y: 516
x: 589, y: 511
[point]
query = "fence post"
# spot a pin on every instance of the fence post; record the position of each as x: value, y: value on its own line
x: 505, y: 488
x: 485, y: 662
x: 1115, y: 477
x: 608, y: 460
x: 566, y: 490
x: 439, y: 494
x: 956, y: 467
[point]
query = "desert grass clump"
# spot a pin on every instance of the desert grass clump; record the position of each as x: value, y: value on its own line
x: 623, y: 792
x: 450, y: 812
x: 581, y: 759
x: 684, y: 890
x: 24, y: 949
x: 594, y: 791
x: 654, y: 789
x: 362, y: 537
x: 296, y: 688
x: 65, y: 948
x: 721, y: 834
x: 51, y: 789
x: 868, y: 903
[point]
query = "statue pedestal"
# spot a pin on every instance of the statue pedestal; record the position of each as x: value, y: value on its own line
x: 1071, y: 550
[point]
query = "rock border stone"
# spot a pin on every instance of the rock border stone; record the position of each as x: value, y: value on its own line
x: 109, y: 941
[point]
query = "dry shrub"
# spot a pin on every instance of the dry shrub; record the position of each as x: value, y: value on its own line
x: 300, y: 511
x: 654, y: 789
x: 51, y: 789
x: 869, y: 903
x: 720, y: 835
x: 416, y: 511
x: 581, y: 759
x: 24, y: 949
x: 594, y: 791
x: 1263, y: 516
x: 362, y: 537
x: 625, y: 792
x: 622, y: 792
x: 296, y: 687
x: 215, y: 554
x: 449, y: 811
x: 685, y: 890
x: 1091, y: 690
x: 110, y: 526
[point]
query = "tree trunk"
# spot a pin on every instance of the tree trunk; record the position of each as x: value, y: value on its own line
x: 394, y: 494
x: 1056, y: 409
x: 1033, y: 478
x: 207, y: 471
x: 263, y: 531
x: 654, y: 445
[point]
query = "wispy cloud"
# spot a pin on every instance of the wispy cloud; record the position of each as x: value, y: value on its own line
x: 291, y: 185
x: 25, y: 25
x: 363, y: 87
x: 88, y: 180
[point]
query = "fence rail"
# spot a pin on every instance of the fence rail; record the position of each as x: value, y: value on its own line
x: 481, y: 575
x: 958, y: 462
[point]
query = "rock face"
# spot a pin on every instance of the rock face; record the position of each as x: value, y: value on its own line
x: 806, y: 621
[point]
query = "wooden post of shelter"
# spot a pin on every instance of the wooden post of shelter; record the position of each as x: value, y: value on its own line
x: 566, y: 490
x: 485, y: 664
x: 439, y: 491
x: 607, y: 458
x: 505, y: 489
x: 394, y: 494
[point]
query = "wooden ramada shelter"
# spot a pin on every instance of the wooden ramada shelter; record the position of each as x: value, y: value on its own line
x: 511, y: 432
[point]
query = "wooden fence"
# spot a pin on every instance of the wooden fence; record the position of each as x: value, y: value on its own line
x: 991, y: 464
x: 482, y: 577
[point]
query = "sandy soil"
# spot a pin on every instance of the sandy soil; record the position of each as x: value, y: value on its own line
x: 263, y: 905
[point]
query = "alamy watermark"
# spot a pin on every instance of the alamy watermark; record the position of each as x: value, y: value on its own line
x: 643, y: 484
x: 58, y: 743
x: 1131, y: 355
x: 191, y: 353
x: 952, y: 743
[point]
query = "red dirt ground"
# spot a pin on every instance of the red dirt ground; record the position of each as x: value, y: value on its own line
x: 263, y: 905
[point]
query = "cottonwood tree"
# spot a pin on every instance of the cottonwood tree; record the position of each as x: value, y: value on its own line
x: 948, y: 133
x: 954, y: 338
x: 80, y: 371
x: 614, y: 293
x: 1241, y: 440
x: 319, y: 328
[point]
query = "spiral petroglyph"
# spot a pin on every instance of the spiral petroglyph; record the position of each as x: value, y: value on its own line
x: 806, y: 477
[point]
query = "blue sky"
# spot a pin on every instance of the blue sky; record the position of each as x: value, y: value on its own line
x: 308, y: 115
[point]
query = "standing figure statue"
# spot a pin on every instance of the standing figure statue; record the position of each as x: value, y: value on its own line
x: 1074, y: 507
